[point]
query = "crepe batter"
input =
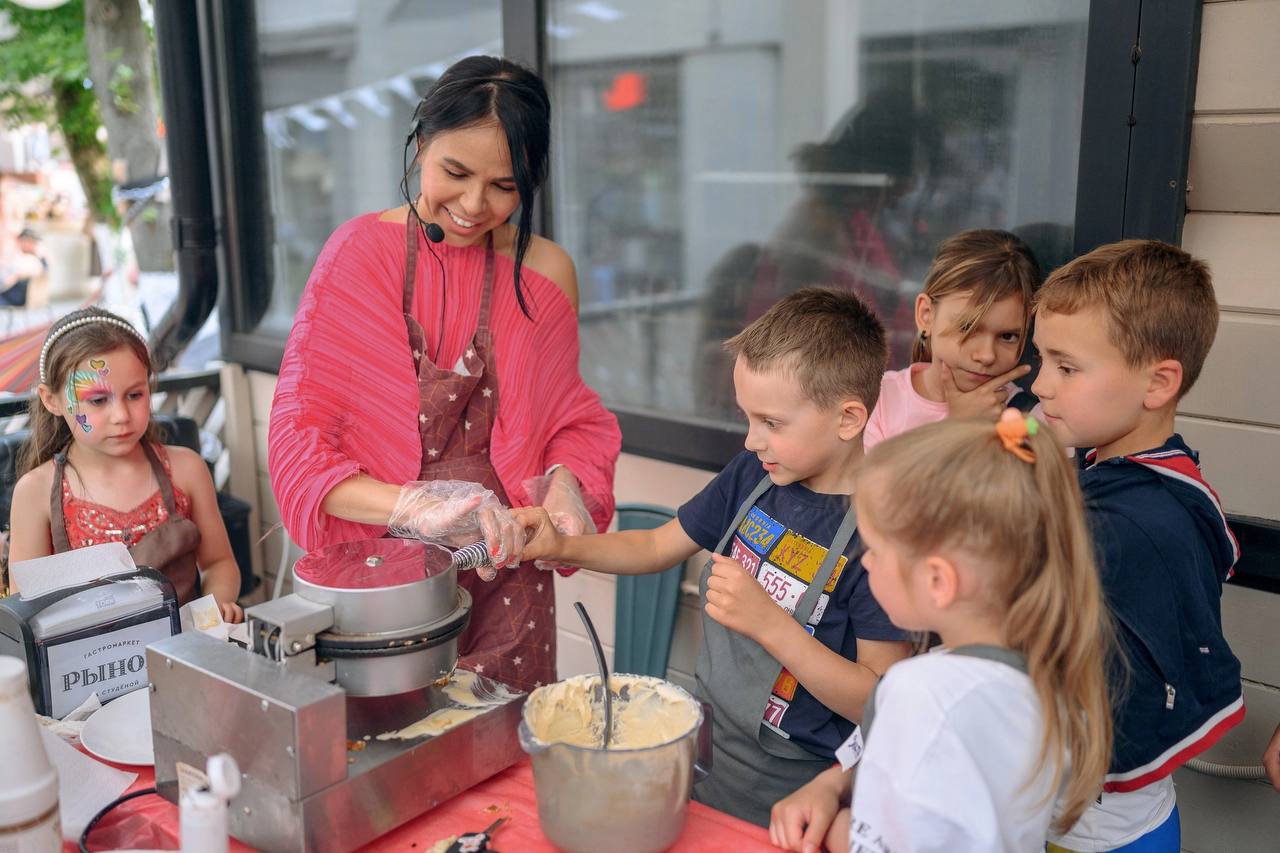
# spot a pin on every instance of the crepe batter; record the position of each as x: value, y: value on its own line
x: 461, y: 690
x: 646, y: 712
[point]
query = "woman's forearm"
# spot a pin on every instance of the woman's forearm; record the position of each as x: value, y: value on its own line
x: 362, y: 499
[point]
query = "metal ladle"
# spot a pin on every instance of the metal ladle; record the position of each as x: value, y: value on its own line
x: 604, y: 672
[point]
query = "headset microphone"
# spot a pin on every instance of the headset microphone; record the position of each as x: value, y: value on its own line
x: 434, y: 232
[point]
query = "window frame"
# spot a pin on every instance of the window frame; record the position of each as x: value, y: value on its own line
x: 1134, y: 150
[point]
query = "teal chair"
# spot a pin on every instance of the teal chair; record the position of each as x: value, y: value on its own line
x: 645, y: 614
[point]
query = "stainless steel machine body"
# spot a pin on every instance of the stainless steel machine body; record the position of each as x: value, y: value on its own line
x: 315, y: 774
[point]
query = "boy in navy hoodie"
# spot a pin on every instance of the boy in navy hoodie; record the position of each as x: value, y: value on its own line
x: 1122, y: 334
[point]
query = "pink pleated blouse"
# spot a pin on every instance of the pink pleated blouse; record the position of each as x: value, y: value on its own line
x: 346, y: 401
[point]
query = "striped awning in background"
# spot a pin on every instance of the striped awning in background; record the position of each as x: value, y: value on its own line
x: 19, y: 359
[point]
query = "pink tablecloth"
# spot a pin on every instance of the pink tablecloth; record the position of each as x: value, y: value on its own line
x: 151, y: 822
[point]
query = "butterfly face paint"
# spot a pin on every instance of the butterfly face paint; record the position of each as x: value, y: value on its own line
x: 86, y: 385
x: 87, y: 389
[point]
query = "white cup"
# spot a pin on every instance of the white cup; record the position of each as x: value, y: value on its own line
x: 29, y: 785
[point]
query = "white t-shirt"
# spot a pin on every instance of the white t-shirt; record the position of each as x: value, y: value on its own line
x: 949, y: 760
x: 1120, y: 819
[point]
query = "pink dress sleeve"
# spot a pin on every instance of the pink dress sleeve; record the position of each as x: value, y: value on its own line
x: 348, y: 351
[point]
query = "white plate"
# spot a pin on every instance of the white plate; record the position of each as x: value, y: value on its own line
x: 121, y: 730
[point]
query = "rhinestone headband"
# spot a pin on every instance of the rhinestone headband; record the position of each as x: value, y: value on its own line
x: 76, y: 324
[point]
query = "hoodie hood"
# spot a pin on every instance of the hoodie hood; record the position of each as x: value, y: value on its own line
x: 1178, y: 470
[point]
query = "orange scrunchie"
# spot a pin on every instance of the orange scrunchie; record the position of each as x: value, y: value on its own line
x: 1015, y: 432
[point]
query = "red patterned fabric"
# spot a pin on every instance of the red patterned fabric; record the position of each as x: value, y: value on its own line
x: 347, y: 398
x: 89, y: 523
x: 512, y: 635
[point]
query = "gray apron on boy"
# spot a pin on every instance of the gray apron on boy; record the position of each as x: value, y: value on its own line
x: 753, y: 766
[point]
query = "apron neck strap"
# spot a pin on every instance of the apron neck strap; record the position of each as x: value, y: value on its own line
x: 999, y: 654
x: 57, y: 518
x: 410, y: 262
x: 835, y: 551
x: 411, y: 270
x: 760, y: 489
x: 482, y: 323
x: 162, y: 478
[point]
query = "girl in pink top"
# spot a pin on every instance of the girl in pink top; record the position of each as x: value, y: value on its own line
x: 972, y: 321
x: 435, y: 344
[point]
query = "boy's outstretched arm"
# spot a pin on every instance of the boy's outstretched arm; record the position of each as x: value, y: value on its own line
x: 738, y: 602
x: 626, y: 552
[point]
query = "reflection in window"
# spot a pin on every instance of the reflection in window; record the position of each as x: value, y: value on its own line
x: 710, y: 157
x: 340, y: 81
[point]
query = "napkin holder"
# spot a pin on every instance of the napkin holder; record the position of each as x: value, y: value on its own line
x: 88, y: 637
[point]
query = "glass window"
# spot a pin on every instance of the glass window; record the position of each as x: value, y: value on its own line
x: 340, y: 81
x: 710, y: 157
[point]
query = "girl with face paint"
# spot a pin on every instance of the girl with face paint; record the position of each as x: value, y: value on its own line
x: 95, y: 471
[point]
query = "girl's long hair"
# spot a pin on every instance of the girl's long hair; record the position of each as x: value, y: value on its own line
x: 987, y: 264
x: 481, y: 90
x: 49, y: 433
x: 953, y: 487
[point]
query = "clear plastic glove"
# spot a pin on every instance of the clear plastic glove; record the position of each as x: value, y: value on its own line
x: 455, y: 513
x: 563, y: 501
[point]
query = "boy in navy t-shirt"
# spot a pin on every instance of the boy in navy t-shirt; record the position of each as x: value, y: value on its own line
x: 793, y: 640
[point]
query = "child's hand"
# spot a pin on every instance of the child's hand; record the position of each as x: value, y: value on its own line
x: 801, y: 821
x: 737, y: 601
x: 231, y: 612
x: 987, y: 400
x: 541, y: 538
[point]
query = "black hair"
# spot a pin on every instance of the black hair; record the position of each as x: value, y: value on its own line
x: 482, y: 89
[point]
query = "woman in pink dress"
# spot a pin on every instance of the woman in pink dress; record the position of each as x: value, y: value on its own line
x: 437, y: 341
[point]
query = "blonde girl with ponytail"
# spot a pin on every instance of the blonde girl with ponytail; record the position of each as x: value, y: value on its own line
x: 974, y: 531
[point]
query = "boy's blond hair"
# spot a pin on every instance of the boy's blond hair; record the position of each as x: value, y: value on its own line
x: 1157, y: 299
x: 827, y: 339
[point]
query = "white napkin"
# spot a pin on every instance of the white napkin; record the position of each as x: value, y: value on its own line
x: 68, y: 728
x: 205, y: 616
x: 34, y: 578
x: 84, y: 785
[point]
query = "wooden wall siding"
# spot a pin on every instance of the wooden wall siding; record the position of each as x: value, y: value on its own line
x: 1243, y: 252
x: 1233, y: 163
x: 1239, y: 460
x: 1232, y: 415
x: 1244, y: 612
x: 1238, y: 69
x: 1238, y: 380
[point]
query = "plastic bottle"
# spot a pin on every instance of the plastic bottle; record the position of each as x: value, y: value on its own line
x: 29, y: 820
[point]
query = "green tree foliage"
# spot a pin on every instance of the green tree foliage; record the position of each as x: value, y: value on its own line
x: 44, y: 73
